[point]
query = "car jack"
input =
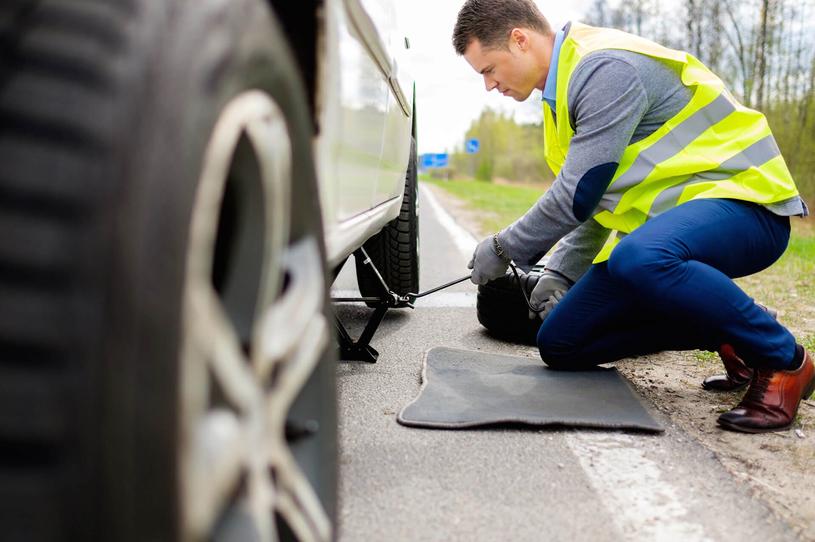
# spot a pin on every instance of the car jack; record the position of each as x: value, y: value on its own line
x: 361, y: 349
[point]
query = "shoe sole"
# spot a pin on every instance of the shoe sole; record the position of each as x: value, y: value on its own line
x: 753, y: 430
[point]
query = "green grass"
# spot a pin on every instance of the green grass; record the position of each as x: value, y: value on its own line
x: 798, y: 262
x: 802, y: 246
x: 800, y: 253
x: 706, y: 357
x: 498, y: 204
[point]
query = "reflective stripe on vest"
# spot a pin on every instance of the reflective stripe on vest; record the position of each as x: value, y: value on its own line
x: 713, y: 148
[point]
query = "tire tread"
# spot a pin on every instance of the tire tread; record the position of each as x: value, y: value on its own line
x: 395, y: 250
x: 59, y: 76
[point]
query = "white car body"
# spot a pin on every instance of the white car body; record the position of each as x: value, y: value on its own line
x: 365, y: 112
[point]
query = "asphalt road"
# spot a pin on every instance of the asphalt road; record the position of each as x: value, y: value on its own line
x: 399, y: 483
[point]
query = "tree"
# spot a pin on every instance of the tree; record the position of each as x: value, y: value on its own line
x: 598, y: 14
x: 763, y: 47
x: 508, y: 150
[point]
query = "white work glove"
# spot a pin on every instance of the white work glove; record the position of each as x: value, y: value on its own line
x: 548, y: 292
x: 486, y: 263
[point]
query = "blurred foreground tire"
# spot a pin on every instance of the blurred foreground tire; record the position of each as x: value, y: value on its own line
x: 166, y: 357
x: 502, y: 309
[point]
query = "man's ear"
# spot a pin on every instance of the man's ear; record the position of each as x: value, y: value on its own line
x: 520, y: 38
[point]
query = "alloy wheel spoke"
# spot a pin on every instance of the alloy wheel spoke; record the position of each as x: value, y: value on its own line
x: 292, y: 337
x: 214, y: 466
x: 295, y: 499
x: 270, y: 139
x: 228, y: 362
x: 296, y: 318
x: 261, y: 497
x: 298, y: 504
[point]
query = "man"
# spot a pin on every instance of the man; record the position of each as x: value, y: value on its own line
x: 666, y: 189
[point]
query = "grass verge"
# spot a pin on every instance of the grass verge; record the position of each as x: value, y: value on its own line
x: 497, y: 204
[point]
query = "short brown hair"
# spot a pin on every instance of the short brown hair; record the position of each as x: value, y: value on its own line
x: 491, y: 21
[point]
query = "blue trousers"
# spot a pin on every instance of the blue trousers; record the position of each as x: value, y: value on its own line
x: 667, y: 286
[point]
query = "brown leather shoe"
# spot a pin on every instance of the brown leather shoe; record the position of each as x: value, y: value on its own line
x: 737, y: 373
x: 737, y: 376
x: 772, y: 399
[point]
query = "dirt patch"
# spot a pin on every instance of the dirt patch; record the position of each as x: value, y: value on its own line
x: 780, y: 467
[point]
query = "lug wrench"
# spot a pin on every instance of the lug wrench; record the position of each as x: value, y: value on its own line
x: 397, y: 300
x: 414, y: 297
x: 410, y: 297
x: 462, y: 279
x: 361, y: 349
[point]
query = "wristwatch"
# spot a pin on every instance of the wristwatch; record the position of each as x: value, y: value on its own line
x: 499, y: 250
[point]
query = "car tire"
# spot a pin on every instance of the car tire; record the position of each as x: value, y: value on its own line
x: 395, y: 250
x: 154, y: 382
x: 501, y: 308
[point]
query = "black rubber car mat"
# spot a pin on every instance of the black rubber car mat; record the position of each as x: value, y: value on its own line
x: 463, y: 388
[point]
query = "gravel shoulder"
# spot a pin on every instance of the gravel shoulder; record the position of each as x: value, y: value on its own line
x: 779, y: 467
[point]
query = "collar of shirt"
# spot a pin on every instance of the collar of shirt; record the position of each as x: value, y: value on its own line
x: 550, y: 87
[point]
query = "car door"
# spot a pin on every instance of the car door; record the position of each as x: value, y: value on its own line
x: 388, y: 47
x: 363, y: 95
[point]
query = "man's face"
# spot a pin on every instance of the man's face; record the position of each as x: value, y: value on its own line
x: 512, y: 72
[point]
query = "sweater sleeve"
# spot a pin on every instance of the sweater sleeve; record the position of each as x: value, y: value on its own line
x: 574, y: 253
x: 606, y: 100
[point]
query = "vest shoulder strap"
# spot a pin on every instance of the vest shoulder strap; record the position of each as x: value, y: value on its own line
x: 587, y: 39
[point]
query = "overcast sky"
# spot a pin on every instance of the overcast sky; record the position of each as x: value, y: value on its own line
x: 449, y: 93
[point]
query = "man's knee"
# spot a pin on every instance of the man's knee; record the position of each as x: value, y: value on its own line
x: 555, y: 352
x: 634, y: 263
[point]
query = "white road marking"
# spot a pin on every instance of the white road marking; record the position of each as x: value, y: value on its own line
x: 464, y: 300
x: 643, y: 504
x: 463, y: 239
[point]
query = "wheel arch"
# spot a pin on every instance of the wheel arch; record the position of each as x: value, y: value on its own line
x: 303, y: 24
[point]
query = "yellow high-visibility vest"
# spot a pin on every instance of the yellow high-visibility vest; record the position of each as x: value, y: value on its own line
x: 713, y: 148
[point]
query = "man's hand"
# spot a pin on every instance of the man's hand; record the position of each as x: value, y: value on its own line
x: 550, y: 289
x: 486, y: 264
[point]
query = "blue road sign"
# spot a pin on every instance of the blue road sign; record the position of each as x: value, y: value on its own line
x: 435, y: 160
x: 472, y: 146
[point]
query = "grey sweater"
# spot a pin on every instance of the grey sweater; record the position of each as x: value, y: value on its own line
x: 615, y: 98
